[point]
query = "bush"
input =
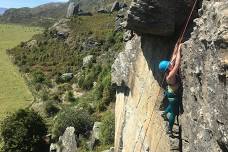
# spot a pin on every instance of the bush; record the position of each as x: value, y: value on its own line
x: 79, y: 119
x: 51, y: 109
x: 38, y: 77
x: 108, y: 128
x: 23, y: 131
x: 70, y: 97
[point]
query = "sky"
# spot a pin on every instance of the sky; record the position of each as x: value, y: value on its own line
x: 25, y: 3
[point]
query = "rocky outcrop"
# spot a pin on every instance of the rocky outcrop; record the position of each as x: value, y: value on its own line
x: 66, y: 143
x: 60, y: 29
x: 204, y: 70
x: 115, y: 6
x: 73, y: 9
x: 203, y: 124
x: 157, y: 17
x: 95, y: 139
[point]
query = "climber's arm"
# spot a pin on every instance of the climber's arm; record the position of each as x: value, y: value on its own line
x: 174, y: 71
x: 175, y: 53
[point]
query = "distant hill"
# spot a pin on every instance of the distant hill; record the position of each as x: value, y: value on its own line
x: 2, y: 10
x: 93, y: 5
x: 47, y: 14
x: 43, y: 15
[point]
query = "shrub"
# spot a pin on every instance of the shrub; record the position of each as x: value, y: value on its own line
x: 70, y: 97
x: 44, y: 95
x: 100, y: 106
x: 108, y: 128
x: 51, y: 109
x: 23, y: 131
x: 38, y: 77
x: 79, y: 119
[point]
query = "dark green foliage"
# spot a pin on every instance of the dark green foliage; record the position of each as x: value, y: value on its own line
x: 70, y: 97
x: 108, y: 128
x: 79, y: 119
x: 51, y: 109
x: 89, y: 76
x: 23, y: 131
x: 38, y: 77
x: 44, y: 96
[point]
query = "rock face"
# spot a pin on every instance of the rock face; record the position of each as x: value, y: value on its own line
x: 95, y: 135
x: 157, y: 17
x: 72, y: 10
x: 68, y: 142
x: 204, y: 70
x: 138, y: 124
x: 204, y: 123
x: 60, y: 29
x: 115, y: 6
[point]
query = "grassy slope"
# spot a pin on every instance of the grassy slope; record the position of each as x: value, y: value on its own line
x: 13, y: 92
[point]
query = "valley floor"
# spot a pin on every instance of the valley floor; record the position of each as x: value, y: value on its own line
x: 14, y: 93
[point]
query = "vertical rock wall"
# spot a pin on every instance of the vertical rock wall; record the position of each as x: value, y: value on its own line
x: 203, y: 125
x: 138, y: 124
x: 204, y: 71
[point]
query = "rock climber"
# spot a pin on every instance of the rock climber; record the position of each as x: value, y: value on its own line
x: 171, y: 75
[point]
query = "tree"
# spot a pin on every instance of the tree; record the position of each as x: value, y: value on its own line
x: 23, y: 131
x: 79, y: 119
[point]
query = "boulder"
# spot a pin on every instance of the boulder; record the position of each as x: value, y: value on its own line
x: 60, y: 29
x: 102, y: 10
x: 31, y: 44
x: 96, y: 130
x: 89, y: 43
x: 128, y: 35
x: 120, y: 18
x: 95, y: 135
x: 122, y: 5
x: 68, y: 142
x: 54, y: 148
x: 67, y: 76
x: 115, y: 6
x: 85, y: 14
x: 88, y: 59
x: 73, y: 9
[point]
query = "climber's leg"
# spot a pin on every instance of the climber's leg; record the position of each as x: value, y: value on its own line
x: 171, y: 121
x: 167, y: 110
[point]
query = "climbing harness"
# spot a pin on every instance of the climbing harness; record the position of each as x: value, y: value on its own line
x: 177, y: 43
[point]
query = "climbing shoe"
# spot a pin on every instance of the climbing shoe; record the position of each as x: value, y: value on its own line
x: 164, y: 116
x: 170, y: 133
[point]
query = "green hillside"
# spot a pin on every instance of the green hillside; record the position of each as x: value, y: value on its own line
x: 52, y: 55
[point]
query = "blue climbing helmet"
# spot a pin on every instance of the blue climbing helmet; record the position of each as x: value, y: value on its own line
x: 164, y: 65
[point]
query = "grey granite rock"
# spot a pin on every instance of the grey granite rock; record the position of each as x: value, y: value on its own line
x: 73, y: 9
x: 68, y: 142
x: 88, y: 59
x: 203, y: 125
x: 204, y: 70
x: 157, y: 17
x: 115, y: 6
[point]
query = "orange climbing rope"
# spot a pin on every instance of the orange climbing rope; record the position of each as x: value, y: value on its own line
x: 177, y: 44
